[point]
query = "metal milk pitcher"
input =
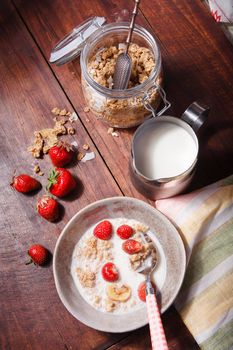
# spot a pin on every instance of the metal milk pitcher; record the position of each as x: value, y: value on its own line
x: 165, y: 151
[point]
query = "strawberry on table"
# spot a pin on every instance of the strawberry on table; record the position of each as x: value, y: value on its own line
x: 142, y: 290
x: 61, y: 182
x: 131, y: 246
x: 38, y: 254
x: 125, y: 231
x: 24, y: 183
x: 48, y: 208
x: 103, y: 230
x: 61, y: 154
x: 110, y: 272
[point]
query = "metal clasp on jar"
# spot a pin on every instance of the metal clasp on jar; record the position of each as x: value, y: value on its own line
x: 146, y: 100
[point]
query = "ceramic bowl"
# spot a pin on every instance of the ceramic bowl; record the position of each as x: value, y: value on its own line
x: 110, y: 208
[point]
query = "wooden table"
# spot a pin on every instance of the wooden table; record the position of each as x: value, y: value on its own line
x: 198, y: 64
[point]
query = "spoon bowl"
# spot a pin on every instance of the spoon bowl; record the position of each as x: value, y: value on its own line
x: 123, y: 65
x: 150, y: 263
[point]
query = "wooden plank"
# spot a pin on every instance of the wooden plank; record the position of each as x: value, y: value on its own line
x: 49, y: 21
x: 63, y: 19
x: 32, y: 316
x: 197, y: 60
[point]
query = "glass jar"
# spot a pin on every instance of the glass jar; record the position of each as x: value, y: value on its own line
x: 122, y: 108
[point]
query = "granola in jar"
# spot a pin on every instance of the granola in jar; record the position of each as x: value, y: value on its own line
x: 121, y: 108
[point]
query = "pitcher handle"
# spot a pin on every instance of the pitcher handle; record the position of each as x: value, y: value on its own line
x: 196, y: 114
x: 163, y: 96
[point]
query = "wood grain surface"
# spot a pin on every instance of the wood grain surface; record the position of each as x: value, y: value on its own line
x: 197, y: 60
x: 32, y: 316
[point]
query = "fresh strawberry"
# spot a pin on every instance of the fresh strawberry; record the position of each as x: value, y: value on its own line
x: 109, y: 272
x: 61, y: 154
x: 103, y: 230
x: 131, y: 246
x: 39, y: 254
x: 142, y: 290
x: 25, y: 183
x: 61, y: 182
x: 125, y: 231
x: 47, y: 207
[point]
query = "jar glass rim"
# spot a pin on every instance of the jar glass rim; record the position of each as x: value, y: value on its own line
x: 114, y: 27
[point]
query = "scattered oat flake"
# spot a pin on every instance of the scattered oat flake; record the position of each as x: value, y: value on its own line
x: 80, y: 156
x: 73, y: 117
x: 86, y: 147
x: 115, y: 134
x: 56, y: 111
x: 62, y: 121
x: 68, y: 114
x: 63, y: 112
x: 86, y: 109
x: 36, y: 169
x: 88, y: 156
x: 71, y: 131
x: 37, y: 146
x: 110, y: 130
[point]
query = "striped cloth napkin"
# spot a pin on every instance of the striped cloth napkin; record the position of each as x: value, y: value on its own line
x: 205, y: 302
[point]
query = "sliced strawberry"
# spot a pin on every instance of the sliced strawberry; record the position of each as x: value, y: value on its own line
x: 110, y: 272
x: 103, y: 230
x: 131, y: 246
x: 142, y: 290
x: 125, y: 231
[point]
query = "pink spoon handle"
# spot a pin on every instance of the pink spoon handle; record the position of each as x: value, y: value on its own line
x: 157, y: 334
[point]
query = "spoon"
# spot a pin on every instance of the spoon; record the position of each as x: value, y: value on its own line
x: 123, y: 65
x: 158, y: 338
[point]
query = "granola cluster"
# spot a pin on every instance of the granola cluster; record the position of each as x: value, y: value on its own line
x: 96, y: 249
x: 47, y: 138
x: 136, y: 260
x: 87, y: 278
x: 122, y: 112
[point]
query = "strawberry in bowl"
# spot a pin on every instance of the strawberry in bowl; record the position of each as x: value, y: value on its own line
x: 110, y: 272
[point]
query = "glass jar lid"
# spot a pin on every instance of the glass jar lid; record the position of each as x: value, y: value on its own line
x: 72, y: 44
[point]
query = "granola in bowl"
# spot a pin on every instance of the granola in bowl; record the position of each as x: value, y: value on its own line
x: 104, y: 263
